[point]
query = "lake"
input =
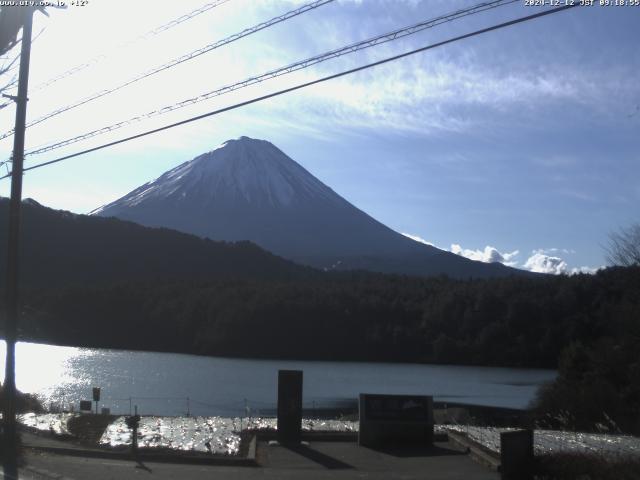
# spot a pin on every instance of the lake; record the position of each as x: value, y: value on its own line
x: 174, y: 384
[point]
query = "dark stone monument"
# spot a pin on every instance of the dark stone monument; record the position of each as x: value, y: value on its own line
x: 289, y: 406
x: 516, y: 454
x: 393, y: 419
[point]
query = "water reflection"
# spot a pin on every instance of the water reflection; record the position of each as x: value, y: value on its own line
x: 172, y: 384
x: 219, y: 435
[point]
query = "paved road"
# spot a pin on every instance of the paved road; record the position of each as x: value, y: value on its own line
x: 317, y: 461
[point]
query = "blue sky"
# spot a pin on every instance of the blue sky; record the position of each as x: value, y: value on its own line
x: 520, y: 145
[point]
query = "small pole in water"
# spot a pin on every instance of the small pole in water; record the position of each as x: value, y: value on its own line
x: 188, y: 408
x: 129, y: 406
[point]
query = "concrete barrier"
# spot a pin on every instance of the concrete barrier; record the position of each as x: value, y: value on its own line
x: 516, y: 455
x: 393, y: 419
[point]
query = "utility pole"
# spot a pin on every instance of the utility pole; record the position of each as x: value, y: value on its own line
x: 11, y: 289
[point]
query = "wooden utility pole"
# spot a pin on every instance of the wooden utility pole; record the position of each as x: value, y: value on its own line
x: 13, y: 250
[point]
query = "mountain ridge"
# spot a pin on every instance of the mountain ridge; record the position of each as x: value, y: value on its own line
x: 64, y: 248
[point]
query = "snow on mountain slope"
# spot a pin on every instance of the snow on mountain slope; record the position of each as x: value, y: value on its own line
x: 244, y: 170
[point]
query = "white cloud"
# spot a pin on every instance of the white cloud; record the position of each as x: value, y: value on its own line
x: 542, y: 263
x: 587, y: 270
x: 418, y: 239
x: 431, y: 94
x: 488, y: 255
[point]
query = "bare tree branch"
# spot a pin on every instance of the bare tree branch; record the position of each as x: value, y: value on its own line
x: 13, y: 63
x: 7, y: 65
x: 10, y: 25
x: 624, y: 246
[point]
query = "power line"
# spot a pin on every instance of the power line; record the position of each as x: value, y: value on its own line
x: 380, y: 39
x: 150, y: 33
x: 306, y: 84
x: 179, y: 60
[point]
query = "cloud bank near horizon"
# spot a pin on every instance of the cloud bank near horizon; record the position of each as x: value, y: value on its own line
x: 539, y: 261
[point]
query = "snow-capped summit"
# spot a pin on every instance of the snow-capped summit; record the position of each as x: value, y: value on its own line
x: 242, y: 170
x: 247, y: 189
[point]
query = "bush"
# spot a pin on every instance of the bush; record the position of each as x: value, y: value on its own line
x: 596, y: 389
x: 25, y: 402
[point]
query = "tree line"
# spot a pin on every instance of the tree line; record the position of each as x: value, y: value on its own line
x: 512, y: 321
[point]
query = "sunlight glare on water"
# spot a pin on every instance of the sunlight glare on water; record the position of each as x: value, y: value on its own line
x: 39, y: 367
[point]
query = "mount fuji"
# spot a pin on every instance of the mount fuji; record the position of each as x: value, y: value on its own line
x: 247, y: 189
